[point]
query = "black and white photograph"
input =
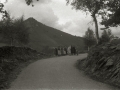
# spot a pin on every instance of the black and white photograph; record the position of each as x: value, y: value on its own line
x: 59, y: 44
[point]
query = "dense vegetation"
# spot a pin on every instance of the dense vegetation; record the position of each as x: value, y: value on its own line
x: 103, y: 59
x: 11, y: 58
x: 89, y: 38
x: 14, y: 31
x: 103, y: 62
x: 18, y: 35
x: 15, y: 34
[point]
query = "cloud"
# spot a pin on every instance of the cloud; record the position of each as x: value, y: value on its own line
x: 41, y: 12
x: 77, y: 26
x: 54, y: 13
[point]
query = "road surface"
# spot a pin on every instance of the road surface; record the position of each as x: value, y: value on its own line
x: 56, y: 73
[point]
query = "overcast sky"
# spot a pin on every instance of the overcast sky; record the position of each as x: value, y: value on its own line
x: 54, y: 13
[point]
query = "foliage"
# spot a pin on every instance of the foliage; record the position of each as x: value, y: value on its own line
x: 116, y: 41
x: 89, y: 38
x: 48, y: 50
x: 5, y: 13
x: 108, y: 9
x: 11, y: 58
x: 93, y: 7
x: 22, y: 33
x: 106, y: 36
x: 14, y: 31
x: 112, y: 18
x: 28, y: 2
x: 2, y: 11
x: 103, y: 63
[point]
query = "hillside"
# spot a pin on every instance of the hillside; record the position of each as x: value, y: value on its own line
x: 42, y: 36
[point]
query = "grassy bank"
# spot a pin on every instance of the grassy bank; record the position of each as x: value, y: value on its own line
x: 102, y: 64
x: 13, y: 60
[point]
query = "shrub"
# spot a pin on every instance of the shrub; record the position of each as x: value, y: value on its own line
x: 11, y: 57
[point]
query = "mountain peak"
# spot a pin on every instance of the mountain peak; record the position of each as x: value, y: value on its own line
x: 42, y: 35
x: 31, y: 19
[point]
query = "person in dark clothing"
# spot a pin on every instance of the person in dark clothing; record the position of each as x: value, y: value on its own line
x: 59, y: 51
x: 56, y: 51
x: 74, y: 51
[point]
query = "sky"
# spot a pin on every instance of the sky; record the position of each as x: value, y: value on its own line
x: 56, y: 14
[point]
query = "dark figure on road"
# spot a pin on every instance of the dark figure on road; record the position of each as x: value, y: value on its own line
x: 73, y: 50
x: 76, y: 52
x: 56, y: 51
x: 62, y: 51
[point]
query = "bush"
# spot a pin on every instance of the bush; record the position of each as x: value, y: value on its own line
x: 103, y: 62
x: 115, y: 41
x: 11, y: 58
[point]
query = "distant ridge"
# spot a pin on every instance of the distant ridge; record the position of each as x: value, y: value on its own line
x: 42, y: 35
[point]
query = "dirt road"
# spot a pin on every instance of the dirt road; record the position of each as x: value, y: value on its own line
x: 56, y: 73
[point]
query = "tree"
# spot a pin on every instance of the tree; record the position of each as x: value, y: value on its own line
x: 28, y: 2
x: 112, y: 18
x: 106, y: 36
x: 96, y: 7
x: 4, y: 12
x: 6, y: 27
x: 89, y: 38
x: 14, y: 31
x: 93, y: 6
x: 22, y: 31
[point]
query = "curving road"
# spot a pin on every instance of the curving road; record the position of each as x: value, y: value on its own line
x: 56, y: 73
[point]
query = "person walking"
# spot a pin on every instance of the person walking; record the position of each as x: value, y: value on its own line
x: 77, y: 52
x: 72, y: 50
x: 69, y: 50
x: 65, y: 50
x: 59, y: 51
x: 56, y: 52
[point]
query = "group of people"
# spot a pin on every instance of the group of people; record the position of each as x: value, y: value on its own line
x: 71, y: 50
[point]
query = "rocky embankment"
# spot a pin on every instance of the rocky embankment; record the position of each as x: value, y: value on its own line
x: 103, y: 63
x: 12, y: 60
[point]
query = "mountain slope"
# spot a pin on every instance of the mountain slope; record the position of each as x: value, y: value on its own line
x: 42, y: 35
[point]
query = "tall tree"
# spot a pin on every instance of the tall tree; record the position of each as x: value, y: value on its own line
x: 106, y: 36
x: 14, y: 31
x: 89, y: 38
x: 113, y: 17
x: 94, y: 7
x: 4, y: 12
x: 6, y: 27
x: 22, y: 31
